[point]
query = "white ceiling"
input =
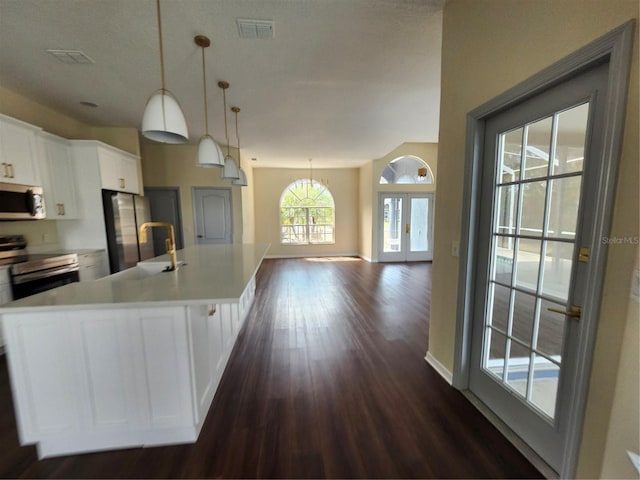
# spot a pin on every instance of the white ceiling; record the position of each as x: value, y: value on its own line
x: 342, y: 81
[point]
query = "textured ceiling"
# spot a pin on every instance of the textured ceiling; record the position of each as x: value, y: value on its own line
x: 342, y: 81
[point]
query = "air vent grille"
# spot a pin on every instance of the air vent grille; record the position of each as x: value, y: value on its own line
x: 255, y: 28
x: 71, y: 57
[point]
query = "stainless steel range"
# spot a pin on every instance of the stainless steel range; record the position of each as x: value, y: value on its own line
x: 33, y: 273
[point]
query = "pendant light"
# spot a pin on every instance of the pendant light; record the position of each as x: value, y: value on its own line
x: 209, y: 153
x: 242, y: 181
x: 230, y: 170
x: 163, y: 120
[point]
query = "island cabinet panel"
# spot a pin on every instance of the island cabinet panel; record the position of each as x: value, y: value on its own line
x: 110, y: 381
x: 46, y: 391
x: 166, y: 360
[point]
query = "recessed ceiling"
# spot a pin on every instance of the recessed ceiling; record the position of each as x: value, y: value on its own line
x: 341, y: 81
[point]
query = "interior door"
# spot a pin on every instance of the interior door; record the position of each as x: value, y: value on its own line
x: 213, y: 215
x: 164, y: 204
x: 405, y: 227
x: 540, y: 162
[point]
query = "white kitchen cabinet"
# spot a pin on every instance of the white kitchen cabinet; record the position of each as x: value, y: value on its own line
x: 58, y: 177
x: 118, y: 171
x: 92, y: 265
x: 5, y: 296
x: 18, y: 152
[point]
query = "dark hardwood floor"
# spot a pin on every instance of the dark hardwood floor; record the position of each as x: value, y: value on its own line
x: 327, y: 380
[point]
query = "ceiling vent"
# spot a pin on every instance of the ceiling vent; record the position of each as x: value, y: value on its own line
x: 71, y: 57
x: 255, y: 28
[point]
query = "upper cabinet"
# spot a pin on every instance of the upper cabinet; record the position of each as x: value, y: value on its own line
x: 18, y: 152
x: 118, y: 170
x: 58, y: 177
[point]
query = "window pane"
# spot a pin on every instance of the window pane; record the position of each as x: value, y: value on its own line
x: 538, y: 145
x: 518, y: 368
x: 503, y: 259
x: 418, y: 238
x: 563, y: 209
x: 500, y: 307
x: 557, y: 269
x: 528, y: 264
x: 506, y: 203
x: 523, y: 311
x: 532, y: 214
x: 551, y: 330
x: 306, y: 213
x: 572, y: 128
x: 392, y: 224
x: 494, y: 358
x: 509, y: 169
x: 545, y: 385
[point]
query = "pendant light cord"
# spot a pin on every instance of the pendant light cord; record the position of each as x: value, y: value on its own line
x: 204, y: 85
x: 161, y: 49
x: 226, y: 133
x: 238, y: 137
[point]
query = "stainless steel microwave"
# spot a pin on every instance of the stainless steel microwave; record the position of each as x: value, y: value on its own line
x: 21, y: 202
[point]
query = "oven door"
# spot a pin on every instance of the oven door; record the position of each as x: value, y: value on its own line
x: 36, y: 282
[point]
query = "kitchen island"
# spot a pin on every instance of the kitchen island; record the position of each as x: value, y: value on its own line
x: 132, y: 359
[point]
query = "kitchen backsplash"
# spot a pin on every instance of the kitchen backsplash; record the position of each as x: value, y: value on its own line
x: 37, y: 232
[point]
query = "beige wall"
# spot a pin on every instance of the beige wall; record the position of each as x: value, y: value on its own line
x: 248, y: 207
x: 365, y: 235
x: 343, y: 185
x: 427, y: 152
x: 488, y: 47
x: 624, y: 426
x: 175, y: 166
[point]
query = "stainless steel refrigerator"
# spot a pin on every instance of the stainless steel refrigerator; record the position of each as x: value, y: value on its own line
x: 123, y: 215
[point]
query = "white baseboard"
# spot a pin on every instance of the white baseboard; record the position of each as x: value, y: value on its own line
x: 440, y: 368
x: 313, y: 255
x: 366, y: 259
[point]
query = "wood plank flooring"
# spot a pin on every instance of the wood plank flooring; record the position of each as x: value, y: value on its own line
x: 327, y: 380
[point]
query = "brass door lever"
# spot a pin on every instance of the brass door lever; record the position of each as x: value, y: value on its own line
x: 574, y: 312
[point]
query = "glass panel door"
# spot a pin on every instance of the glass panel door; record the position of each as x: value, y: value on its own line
x: 530, y: 281
x: 406, y: 227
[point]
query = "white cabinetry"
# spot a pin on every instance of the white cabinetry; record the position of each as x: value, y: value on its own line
x: 58, y: 177
x: 5, y: 296
x: 92, y: 266
x: 118, y: 171
x: 18, y: 152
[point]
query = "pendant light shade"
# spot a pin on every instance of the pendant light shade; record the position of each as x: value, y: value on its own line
x: 209, y: 153
x: 242, y: 180
x: 163, y: 120
x: 230, y: 170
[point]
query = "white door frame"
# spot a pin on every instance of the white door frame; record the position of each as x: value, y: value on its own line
x: 405, y: 255
x: 616, y: 47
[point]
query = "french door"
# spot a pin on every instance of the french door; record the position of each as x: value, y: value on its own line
x: 541, y: 161
x: 405, y: 227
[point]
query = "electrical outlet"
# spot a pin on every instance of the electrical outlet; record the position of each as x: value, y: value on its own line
x: 46, y: 238
x: 455, y: 248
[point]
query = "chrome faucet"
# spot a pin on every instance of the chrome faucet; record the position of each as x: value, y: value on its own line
x: 170, y: 242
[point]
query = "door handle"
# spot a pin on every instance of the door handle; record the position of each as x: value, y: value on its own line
x: 574, y: 312
x: 12, y: 173
x: 200, y: 236
x: 5, y: 173
x: 407, y: 228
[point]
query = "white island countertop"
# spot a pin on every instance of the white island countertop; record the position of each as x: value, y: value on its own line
x: 207, y: 274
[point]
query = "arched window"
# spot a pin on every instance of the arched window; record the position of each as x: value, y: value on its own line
x: 406, y: 170
x: 306, y: 214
